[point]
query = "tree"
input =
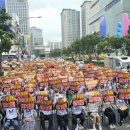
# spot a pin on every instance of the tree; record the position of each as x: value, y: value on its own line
x: 110, y: 44
x: 6, y: 36
x: 55, y: 53
x: 76, y: 47
x: 89, y: 43
x: 127, y: 43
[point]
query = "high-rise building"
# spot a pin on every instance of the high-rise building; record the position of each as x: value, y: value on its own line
x: 21, y: 9
x: 36, y: 40
x: 36, y: 36
x: 2, y: 4
x: 54, y: 45
x: 70, y: 26
x: 85, y: 14
x: 95, y: 15
x: 112, y: 10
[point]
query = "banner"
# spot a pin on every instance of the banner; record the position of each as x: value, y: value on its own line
x: 9, y: 98
x: 10, y: 104
x: 78, y: 96
x: 124, y: 93
x: 46, y: 105
x: 78, y: 102
x: 27, y: 105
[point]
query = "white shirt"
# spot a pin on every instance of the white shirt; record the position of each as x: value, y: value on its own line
x: 11, y: 113
x: 47, y: 112
x: 28, y: 112
x: 81, y: 89
x: 92, y: 107
x: 76, y: 110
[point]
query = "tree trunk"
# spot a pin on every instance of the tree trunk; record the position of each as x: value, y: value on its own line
x: 128, y: 51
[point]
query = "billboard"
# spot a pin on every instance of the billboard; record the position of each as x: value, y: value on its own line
x: 103, y: 26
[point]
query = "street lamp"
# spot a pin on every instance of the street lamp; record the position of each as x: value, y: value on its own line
x: 25, y: 19
x: 17, y: 29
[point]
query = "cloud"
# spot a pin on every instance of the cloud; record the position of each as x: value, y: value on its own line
x: 49, y: 23
x: 38, y: 4
x: 50, y: 11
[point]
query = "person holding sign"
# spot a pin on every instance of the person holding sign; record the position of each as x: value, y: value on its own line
x: 77, y: 103
x: 122, y: 109
x: 109, y: 113
x: 29, y: 121
x: 11, y: 119
x: 46, y: 113
x: 61, y: 110
x: 93, y: 113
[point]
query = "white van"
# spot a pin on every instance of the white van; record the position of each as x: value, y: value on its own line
x: 117, y: 62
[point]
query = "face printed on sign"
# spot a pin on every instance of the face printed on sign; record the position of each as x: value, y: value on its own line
x: 77, y: 107
x: 28, y: 110
x: 11, y: 110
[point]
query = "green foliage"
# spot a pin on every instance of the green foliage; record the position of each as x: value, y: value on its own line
x: 127, y: 43
x: 89, y: 43
x: 94, y: 44
x: 6, y: 37
x: 55, y: 53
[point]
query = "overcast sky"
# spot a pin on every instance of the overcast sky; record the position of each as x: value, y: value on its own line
x: 50, y: 10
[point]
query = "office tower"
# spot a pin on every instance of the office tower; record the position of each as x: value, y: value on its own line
x: 54, y: 45
x: 2, y: 4
x: 70, y: 26
x: 21, y: 9
x: 85, y: 14
x: 112, y: 10
x: 36, y: 40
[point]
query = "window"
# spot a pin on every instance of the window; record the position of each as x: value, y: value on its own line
x: 111, y: 4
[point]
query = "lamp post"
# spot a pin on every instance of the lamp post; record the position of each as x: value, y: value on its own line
x: 17, y: 31
x: 1, y: 73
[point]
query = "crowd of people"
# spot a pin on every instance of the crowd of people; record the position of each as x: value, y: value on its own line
x: 41, y: 88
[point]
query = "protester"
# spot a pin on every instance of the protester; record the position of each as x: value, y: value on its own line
x: 47, y: 115
x: 93, y: 113
x: 28, y: 120
x: 11, y: 119
x: 59, y: 79
x: 108, y: 112
x: 122, y: 109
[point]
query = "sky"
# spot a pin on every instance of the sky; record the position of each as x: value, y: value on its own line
x: 50, y: 10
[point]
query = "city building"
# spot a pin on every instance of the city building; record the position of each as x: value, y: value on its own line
x: 95, y: 15
x: 85, y: 14
x: 2, y: 4
x: 70, y: 26
x: 47, y: 51
x: 112, y: 10
x: 21, y: 8
x: 54, y: 45
x: 37, y: 46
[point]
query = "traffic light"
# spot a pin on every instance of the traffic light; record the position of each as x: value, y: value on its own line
x: 119, y: 29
